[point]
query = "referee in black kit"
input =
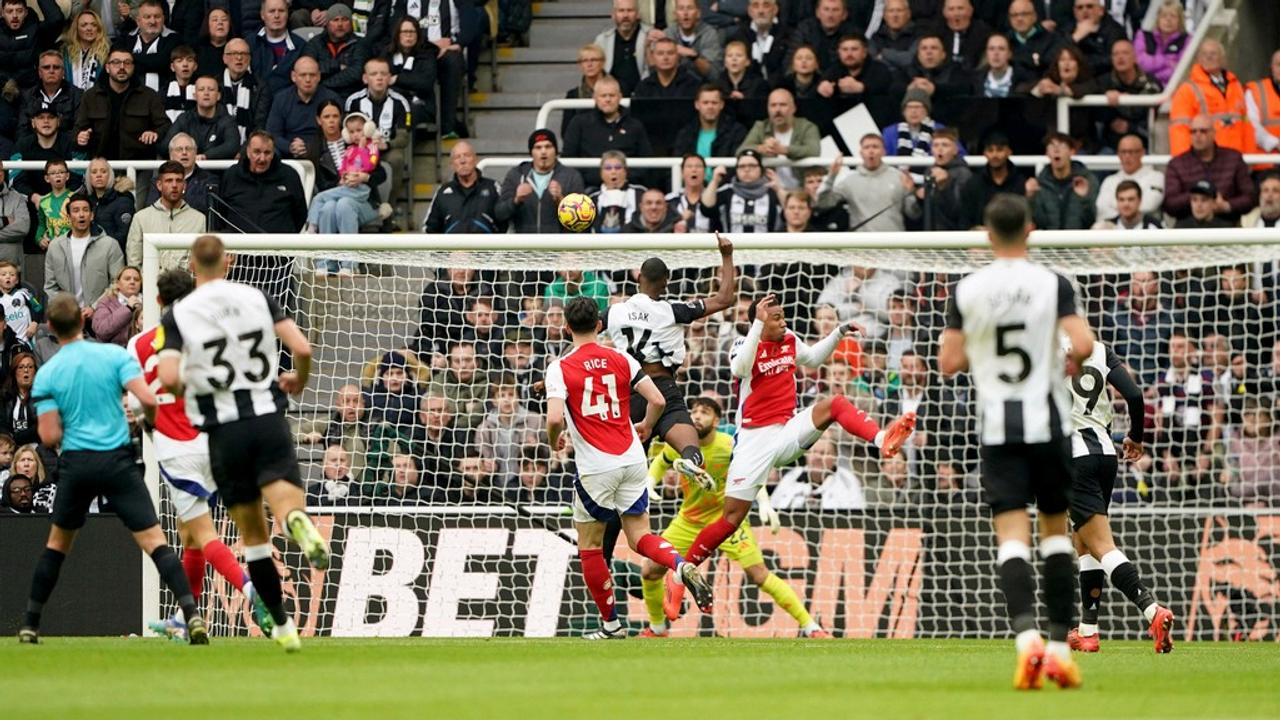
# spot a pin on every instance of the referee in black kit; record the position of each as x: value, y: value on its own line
x: 77, y: 395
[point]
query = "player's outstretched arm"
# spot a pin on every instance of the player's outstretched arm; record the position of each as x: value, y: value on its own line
x: 1123, y: 382
x: 726, y: 290
x: 169, y: 371
x: 816, y: 355
x: 951, y: 357
x: 50, y: 428
x: 147, y: 399
x: 293, y: 338
x: 1081, y: 336
x: 555, y: 420
x: 656, y: 403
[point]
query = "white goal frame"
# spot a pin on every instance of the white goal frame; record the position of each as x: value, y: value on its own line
x: 752, y: 248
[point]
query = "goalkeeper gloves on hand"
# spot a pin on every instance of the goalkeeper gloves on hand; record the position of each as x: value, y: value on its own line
x: 768, y: 516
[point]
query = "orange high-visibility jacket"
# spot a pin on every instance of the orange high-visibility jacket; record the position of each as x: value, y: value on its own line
x: 1198, y: 95
x: 1268, y: 102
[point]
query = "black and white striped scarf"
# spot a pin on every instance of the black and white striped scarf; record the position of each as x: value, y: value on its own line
x: 151, y: 80
x: 178, y: 100
x: 921, y: 145
x: 84, y: 69
x: 238, y: 99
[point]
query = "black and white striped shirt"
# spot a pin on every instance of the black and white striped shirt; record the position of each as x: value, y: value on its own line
x: 391, y: 114
x: 1009, y: 313
x: 1091, y: 406
x: 737, y: 214
x: 225, y: 334
x: 652, y: 331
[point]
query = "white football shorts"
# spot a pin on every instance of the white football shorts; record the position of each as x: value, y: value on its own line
x: 756, y: 451
x: 185, y: 468
x: 621, y: 491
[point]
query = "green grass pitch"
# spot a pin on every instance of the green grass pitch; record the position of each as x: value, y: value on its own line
x: 699, y: 679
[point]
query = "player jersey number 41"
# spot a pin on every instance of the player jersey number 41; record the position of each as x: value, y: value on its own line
x: 595, y: 383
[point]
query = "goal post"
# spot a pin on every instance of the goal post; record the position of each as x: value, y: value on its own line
x: 447, y: 512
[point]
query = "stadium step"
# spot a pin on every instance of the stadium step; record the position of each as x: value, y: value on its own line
x: 518, y: 56
x: 570, y: 9
x: 515, y: 122
x: 543, y: 76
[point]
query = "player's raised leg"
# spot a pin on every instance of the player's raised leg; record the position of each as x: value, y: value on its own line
x: 1095, y: 535
x: 840, y: 410
x: 256, y: 536
x: 1093, y: 585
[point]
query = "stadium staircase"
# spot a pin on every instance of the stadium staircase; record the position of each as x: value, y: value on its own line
x: 503, y: 109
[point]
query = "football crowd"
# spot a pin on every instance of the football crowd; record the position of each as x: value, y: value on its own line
x: 453, y: 415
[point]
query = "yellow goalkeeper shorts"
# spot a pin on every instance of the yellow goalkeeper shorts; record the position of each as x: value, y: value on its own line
x: 739, y: 547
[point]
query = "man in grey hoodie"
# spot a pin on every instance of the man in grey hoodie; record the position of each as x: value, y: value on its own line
x: 80, y: 262
x: 880, y: 197
x: 531, y: 191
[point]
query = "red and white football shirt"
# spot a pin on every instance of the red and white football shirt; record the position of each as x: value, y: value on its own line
x: 595, y: 383
x: 768, y: 396
x: 171, y: 413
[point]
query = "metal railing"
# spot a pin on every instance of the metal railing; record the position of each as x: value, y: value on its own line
x: 1153, y: 102
x: 1064, y: 104
x: 550, y: 106
x: 1038, y: 162
x: 306, y: 171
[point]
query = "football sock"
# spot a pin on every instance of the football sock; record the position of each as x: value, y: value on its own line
x: 1023, y: 641
x: 693, y: 454
x: 787, y: 599
x: 659, y: 551
x: 42, y: 581
x: 1059, y: 571
x: 266, y: 581
x: 172, y: 575
x: 1059, y: 649
x: 709, y: 539
x: 599, y: 582
x: 193, y: 566
x: 854, y: 421
x: 1092, y: 581
x: 1126, y: 579
x: 224, y: 561
x: 653, y: 591
x: 612, y: 530
x: 1017, y: 584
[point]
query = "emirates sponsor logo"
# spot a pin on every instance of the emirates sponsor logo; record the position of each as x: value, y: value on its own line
x: 776, y: 366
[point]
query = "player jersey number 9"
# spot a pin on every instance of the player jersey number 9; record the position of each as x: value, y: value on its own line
x: 608, y: 406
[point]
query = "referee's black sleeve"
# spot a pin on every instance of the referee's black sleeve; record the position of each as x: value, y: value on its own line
x: 1066, y: 297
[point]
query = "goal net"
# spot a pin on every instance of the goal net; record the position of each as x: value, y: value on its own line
x: 422, y: 443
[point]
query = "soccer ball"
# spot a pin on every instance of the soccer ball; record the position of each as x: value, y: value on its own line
x: 576, y: 212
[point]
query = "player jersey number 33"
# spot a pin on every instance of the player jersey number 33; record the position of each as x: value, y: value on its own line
x: 226, y: 334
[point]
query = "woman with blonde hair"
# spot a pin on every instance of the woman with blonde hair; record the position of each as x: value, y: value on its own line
x: 84, y: 49
x: 118, y: 314
x: 1159, y: 50
x: 28, y: 461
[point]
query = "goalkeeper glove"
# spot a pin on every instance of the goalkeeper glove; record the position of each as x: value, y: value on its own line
x: 768, y: 516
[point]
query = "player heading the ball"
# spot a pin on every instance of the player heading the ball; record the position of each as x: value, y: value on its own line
x: 589, y: 395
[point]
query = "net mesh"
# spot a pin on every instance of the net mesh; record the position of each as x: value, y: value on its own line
x: 446, y: 508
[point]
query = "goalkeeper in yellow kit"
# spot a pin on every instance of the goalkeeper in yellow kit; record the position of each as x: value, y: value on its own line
x: 701, y: 507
